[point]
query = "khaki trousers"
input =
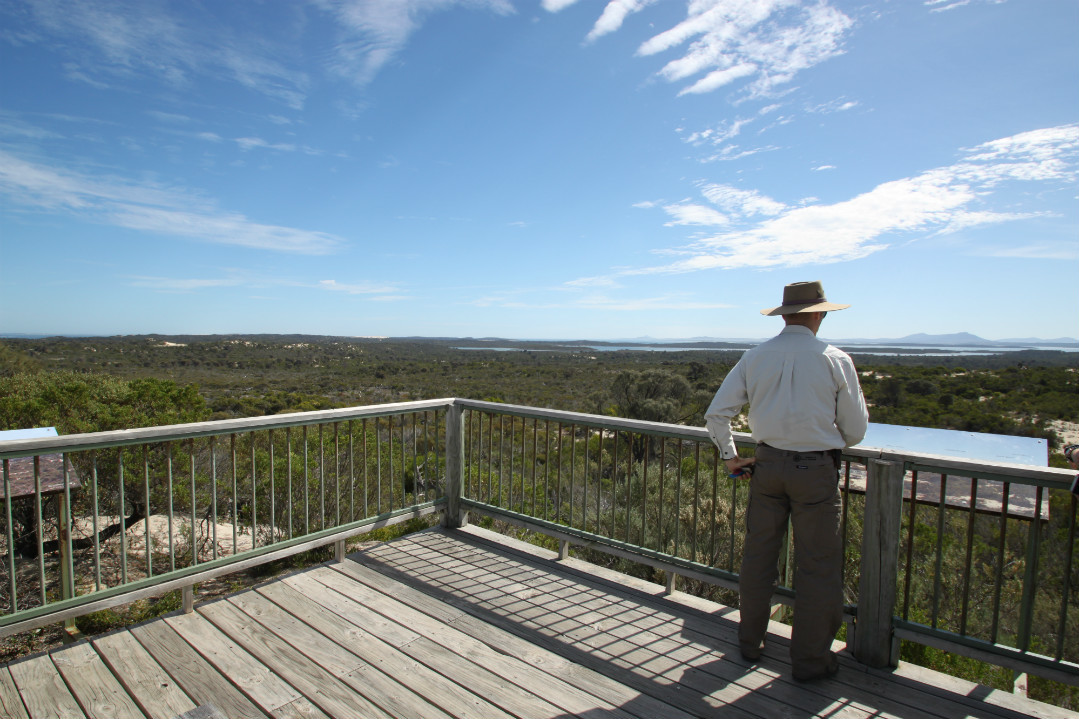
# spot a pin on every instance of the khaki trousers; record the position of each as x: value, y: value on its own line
x: 803, y: 486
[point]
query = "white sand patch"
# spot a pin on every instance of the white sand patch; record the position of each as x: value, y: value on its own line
x: 1067, y: 431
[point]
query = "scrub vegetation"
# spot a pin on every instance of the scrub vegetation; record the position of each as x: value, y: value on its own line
x: 90, y: 384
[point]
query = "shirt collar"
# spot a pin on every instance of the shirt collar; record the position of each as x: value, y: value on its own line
x: 796, y: 329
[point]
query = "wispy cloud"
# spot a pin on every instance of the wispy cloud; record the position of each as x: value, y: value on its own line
x: 183, y: 284
x: 113, y: 41
x: 614, y: 14
x: 372, y: 33
x: 361, y: 288
x: 153, y: 208
x: 944, y: 5
x: 938, y: 201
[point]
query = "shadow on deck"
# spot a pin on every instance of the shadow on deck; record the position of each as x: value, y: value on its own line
x: 464, y: 623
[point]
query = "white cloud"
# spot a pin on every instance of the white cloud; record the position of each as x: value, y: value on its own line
x: 614, y: 15
x: 182, y: 284
x: 357, y: 288
x: 690, y: 214
x: 124, y: 39
x: 820, y: 168
x: 771, y: 40
x: 557, y: 5
x: 250, y: 143
x: 146, y: 207
x: 938, y: 201
x: 740, y: 202
x: 374, y: 32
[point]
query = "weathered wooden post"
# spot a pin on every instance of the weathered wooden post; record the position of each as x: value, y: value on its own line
x: 880, y: 563
x: 455, y: 466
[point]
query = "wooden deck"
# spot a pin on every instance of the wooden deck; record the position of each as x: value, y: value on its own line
x: 463, y: 624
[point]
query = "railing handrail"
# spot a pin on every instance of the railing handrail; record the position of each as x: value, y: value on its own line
x: 1053, y: 477
x: 10, y: 449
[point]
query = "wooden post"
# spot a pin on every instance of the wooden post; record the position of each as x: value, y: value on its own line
x: 455, y: 466
x: 67, y: 582
x: 880, y: 563
x: 672, y: 579
x: 188, y: 595
x: 563, y: 549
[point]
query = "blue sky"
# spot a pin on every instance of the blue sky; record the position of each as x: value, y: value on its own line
x: 538, y: 169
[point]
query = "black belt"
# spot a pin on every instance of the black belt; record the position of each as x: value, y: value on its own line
x: 803, y: 452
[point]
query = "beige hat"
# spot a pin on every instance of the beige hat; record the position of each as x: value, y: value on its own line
x: 803, y: 297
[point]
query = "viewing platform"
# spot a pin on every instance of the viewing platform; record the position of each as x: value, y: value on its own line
x: 461, y: 621
x: 466, y: 623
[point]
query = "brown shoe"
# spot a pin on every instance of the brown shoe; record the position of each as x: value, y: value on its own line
x: 819, y: 673
x: 750, y: 653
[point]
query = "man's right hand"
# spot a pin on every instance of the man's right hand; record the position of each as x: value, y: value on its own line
x: 740, y: 467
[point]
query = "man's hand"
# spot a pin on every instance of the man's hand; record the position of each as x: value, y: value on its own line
x: 740, y: 467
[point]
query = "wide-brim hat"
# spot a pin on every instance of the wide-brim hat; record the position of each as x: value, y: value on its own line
x: 804, y: 297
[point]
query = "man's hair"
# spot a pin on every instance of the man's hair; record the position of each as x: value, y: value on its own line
x: 798, y: 318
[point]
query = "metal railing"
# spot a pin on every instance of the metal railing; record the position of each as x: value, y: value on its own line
x: 149, y: 510
x: 990, y: 583
x: 997, y: 585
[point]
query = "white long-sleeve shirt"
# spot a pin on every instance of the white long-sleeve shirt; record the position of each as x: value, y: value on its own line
x: 803, y: 395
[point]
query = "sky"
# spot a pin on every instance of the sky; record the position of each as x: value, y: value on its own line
x: 544, y: 169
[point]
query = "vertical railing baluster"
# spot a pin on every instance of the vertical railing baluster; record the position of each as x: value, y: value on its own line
x: 629, y: 482
x: 613, y: 523
x: 584, y: 479
x: 970, y: 553
x: 558, y: 488
x: 734, y: 515
x: 13, y: 592
x: 254, y: 492
x: 351, y: 472
x: 123, y: 518
x: 501, y: 455
x: 678, y: 501
x: 378, y: 466
x: 235, y: 492
x: 273, y: 490
x: 572, y: 469
x: 490, y: 458
x: 389, y: 437
x: 535, y: 453
x: 513, y: 437
x: 696, y: 497
x: 1030, y: 575
x: 288, y: 469
x: 938, y: 570
x: 66, y: 546
x: 1065, y: 581
x: 416, y: 481
x: 168, y: 471
x: 404, y: 467
x: 94, y: 506
x: 661, y: 540
x: 999, y: 583
x: 146, y: 519
x: 843, y: 524
x: 321, y: 477
x: 194, y: 511
x: 366, y: 488
x: 306, y: 485
x: 643, y: 504
x: 713, y: 550
x: 546, y: 468
x: 912, y: 522
x: 213, y: 492
x: 40, y: 525
x: 337, y: 473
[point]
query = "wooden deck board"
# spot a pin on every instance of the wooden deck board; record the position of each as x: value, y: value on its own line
x: 95, y: 688
x: 10, y: 702
x: 156, y: 693
x: 466, y: 624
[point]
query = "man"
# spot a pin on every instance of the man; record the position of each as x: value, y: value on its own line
x: 805, y: 406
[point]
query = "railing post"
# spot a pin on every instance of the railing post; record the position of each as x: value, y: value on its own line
x: 455, y: 466
x: 880, y: 563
